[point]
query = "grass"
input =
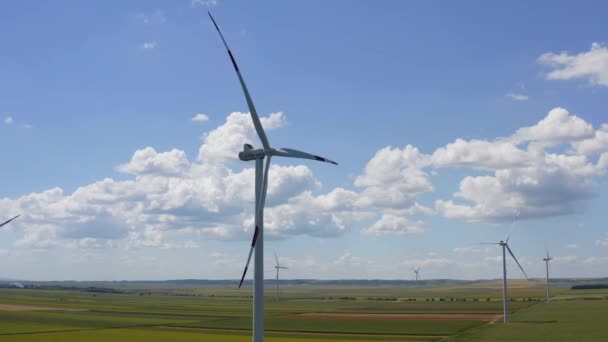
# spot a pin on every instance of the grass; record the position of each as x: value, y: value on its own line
x: 218, y: 314
x: 568, y: 320
x: 158, y: 335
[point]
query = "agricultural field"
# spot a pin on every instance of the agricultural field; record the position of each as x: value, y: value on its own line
x: 138, y: 312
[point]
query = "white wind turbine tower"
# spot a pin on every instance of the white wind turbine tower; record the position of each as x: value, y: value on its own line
x: 416, y: 270
x: 546, y: 260
x: 278, y: 267
x: 6, y: 222
x: 261, y: 185
x: 505, y: 247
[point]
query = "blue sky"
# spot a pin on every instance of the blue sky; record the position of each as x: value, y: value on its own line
x: 84, y: 87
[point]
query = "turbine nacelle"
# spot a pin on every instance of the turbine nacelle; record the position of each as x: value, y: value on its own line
x: 249, y: 153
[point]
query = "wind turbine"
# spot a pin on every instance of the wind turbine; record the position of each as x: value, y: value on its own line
x: 416, y: 270
x: 278, y: 267
x: 2, y: 224
x: 546, y: 260
x: 261, y: 185
x: 505, y: 247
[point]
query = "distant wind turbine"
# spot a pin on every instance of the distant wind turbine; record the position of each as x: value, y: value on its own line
x: 416, y: 270
x: 278, y: 267
x: 2, y: 224
x: 505, y: 247
x: 546, y: 260
x: 261, y: 185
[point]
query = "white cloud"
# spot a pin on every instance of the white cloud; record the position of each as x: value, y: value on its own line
x: 395, y: 225
x: 481, y: 154
x: 200, y: 117
x: 517, y: 96
x: 557, y: 127
x: 148, y: 161
x: 8, y: 120
x: 526, y: 178
x: 572, y: 246
x: 393, y: 178
x: 169, y: 196
x: 591, y: 65
x: 168, y: 199
x: 596, y: 144
x: 148, y: 45
x: 225, y: 142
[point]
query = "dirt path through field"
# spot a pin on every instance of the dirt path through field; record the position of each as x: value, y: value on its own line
x: 14, y: 307
x: 398, y: 317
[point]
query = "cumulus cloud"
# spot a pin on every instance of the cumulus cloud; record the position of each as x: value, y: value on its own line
x: 591, y: 65
x: 148, y: 161
x: 595, y: 144
x: 8, y: 120
x: 200, y: 117
x: 225, y: 142
x: 546, y: 169
x: 393, y: 178
x: 525, y: 178
x: 169, y: 196
x: 558, y: 126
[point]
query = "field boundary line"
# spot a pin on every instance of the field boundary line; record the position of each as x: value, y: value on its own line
x: 304, y: 333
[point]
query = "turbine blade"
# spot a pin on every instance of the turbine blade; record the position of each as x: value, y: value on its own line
x: 547, y: 253
x: 489, y: 243
x: 257, y: 218
x: 277, y: 259
x: 291, y: 153
x: 508, y: 237
x: 518, y: 264
x: 2, y: 224
x: 255, y: 237
x: 254, y: 114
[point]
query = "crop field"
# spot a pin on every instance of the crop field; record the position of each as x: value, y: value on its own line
x: 471, y: 312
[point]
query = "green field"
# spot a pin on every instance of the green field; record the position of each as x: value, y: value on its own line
x: 452, y: 313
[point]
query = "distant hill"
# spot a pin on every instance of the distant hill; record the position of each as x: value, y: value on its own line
x: 101, y: 285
